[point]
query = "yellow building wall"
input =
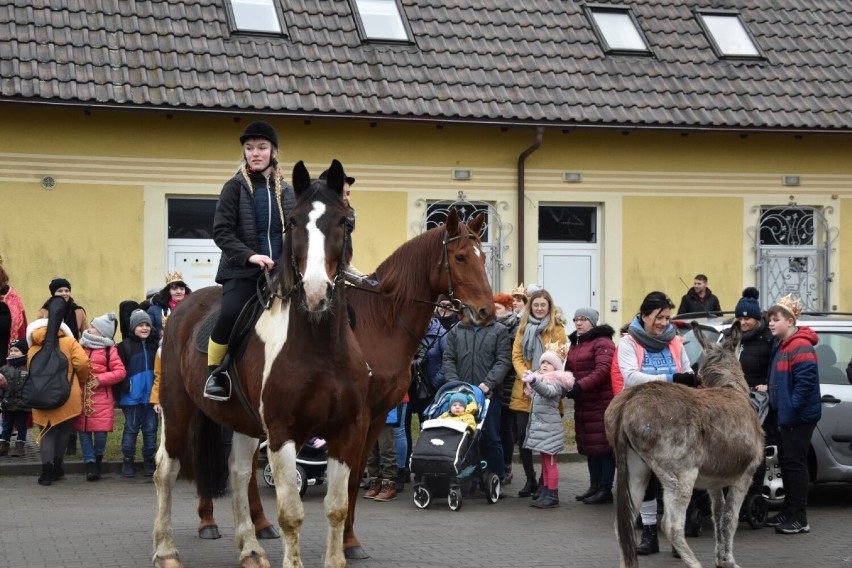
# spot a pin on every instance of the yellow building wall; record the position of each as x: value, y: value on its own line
x: 116, y: 169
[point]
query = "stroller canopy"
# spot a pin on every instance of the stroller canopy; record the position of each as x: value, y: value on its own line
x: 441, y: 402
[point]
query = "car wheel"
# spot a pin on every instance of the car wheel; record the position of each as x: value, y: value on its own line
x: 757, y: 509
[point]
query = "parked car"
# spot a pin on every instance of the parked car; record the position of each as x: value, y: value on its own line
x: 830, y: 454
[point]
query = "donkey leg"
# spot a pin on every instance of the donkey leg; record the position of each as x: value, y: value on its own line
x: 291, y: 512
x: 677, y: 491
x: 165, y: 551
x: 252, y: 555
x: 725, y: 522
x: 336, y: 509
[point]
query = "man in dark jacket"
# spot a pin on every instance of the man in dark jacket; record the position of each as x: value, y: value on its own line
x: 699, y: 298
x: 481, y: 356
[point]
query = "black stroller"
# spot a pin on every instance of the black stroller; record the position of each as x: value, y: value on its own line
x: 311, y: 466
x: 446, y: 460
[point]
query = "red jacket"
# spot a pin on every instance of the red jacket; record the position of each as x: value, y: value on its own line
x: 590, y: 358
x: 98, y: 409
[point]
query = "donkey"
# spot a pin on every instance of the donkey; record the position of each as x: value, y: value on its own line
x: 707, y: 438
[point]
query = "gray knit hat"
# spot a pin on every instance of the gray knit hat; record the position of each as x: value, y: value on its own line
x: 106, y: 324
x: 588, y: 313
x: 137, y: 317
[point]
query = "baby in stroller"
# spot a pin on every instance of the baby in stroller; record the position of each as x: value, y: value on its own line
x: 446, y: 459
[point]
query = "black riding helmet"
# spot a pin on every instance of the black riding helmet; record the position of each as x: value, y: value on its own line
x: 260, y: 129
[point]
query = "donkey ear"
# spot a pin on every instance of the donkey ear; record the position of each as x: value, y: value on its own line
x: 452, y: 223
x: 736, y: 334
x: 301, y: 178
x: 336, y: 177
x: 475, y: 226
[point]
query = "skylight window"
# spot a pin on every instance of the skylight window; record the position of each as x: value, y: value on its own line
x: 618, y: 30
x: 256, y: 16
x: 382, y: 20
x: 729, y: 36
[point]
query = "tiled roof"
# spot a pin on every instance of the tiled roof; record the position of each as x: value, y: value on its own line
x: 533, y: 62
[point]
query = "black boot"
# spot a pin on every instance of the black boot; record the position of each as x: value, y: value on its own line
x: 529, y: 487
x: 218, y: 385
x: 92, y: 471
x: 99, y: 460
x: 537, y: 494
x: 549, y: 499
x: 601, y: 496
x: 589, y: 492
x: 46, y: 477
x: 58, y: 470
x: 649, y: 544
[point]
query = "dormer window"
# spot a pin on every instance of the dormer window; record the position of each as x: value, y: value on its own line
x: 382, y: 20
x: 256, y: 16
x: 729, y: 36
x: 617, y: 29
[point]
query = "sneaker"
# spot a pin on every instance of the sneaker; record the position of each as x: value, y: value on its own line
x: 778, y: 519
x: 793, y: 526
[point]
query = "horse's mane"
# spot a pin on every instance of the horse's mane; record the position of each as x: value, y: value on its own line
x: 401, y: 277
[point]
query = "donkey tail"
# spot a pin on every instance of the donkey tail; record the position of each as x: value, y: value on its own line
x: 210, y: 459
x: 625, y: 514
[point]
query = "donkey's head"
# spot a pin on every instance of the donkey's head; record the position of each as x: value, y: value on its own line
x: 719, y: 366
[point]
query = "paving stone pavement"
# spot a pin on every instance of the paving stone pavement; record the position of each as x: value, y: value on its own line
x: 108, y: 523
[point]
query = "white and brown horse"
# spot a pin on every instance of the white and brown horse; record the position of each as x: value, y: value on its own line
x: 707, y: 438
x: 303, y: 374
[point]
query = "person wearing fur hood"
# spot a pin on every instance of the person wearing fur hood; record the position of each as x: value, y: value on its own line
x: 57, y: 424
x: 98, y: 415
x: 545, y: 432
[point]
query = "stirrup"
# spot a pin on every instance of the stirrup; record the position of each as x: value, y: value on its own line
x: 219, y: 373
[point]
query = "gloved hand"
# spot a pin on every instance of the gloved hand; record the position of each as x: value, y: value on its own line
x: 576, y: 391
x: 686, y: 379
x: 529, y: 377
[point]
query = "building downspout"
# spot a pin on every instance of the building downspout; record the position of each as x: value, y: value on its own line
x: 539, y: 133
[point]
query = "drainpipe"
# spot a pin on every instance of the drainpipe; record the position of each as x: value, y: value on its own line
x: 539, y: 133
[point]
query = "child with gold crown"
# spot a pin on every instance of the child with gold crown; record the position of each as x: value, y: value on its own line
x: 545, y: 432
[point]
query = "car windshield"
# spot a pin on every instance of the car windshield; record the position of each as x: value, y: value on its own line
x: 690, y: 343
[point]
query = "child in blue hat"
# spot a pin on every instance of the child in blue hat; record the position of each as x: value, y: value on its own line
x: 462, y: 408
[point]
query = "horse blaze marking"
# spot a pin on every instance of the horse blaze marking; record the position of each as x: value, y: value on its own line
x: 476, y: 251
x: 315, y: 275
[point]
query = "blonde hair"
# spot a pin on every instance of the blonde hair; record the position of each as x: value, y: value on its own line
x: 551, y: 313
x: 277, y: 175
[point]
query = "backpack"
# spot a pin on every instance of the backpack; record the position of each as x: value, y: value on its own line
x: 47, y: 385
x: 126, y: 308
x: 120, y: 388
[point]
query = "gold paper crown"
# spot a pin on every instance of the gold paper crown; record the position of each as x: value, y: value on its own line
x: 561, y: 349
x: 521, y: 290
x: 176, y: 276
x: 791, y: 305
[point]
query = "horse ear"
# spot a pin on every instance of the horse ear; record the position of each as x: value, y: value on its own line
x: 336, y: 177
x: 452, y: 223
x: 301, y: 178
x: 475, y: 226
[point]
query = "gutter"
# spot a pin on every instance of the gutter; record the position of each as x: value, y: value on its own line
x: 539, y: 133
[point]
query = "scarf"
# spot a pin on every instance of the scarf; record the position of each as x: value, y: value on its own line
x: 172, y: 303
x: 653, y: 343
x: 532, y: 344
x: 93, y: 341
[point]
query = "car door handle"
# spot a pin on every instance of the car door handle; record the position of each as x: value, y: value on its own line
x: 829, y: 399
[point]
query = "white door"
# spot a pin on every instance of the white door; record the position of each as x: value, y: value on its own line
x: 197, y: 259
x: 570, y: 275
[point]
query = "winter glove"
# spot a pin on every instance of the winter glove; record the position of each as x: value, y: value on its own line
x: 529, y: 377
x: 577, y: 391
x: 686, y: 379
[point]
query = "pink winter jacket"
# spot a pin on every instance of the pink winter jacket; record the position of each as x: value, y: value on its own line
x: 98, y: 413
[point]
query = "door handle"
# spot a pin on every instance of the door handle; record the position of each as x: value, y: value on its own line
x: 829, y: 399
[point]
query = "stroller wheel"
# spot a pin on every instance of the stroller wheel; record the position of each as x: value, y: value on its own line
x: 454, y: 498
x: 756, y: 510
x: 492, y: 488
x: 267, y: 475
x: 695, y: 522
x: 301, y: 480
x: 422, y: 496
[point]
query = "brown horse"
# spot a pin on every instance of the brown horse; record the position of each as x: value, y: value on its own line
x: 444, y: 260
x: 708, y: 438
x: 303, y: 374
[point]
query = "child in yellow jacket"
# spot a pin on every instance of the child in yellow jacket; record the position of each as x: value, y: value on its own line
x: 462, y: 410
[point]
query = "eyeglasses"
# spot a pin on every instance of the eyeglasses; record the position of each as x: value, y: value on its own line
x: 579, y: 319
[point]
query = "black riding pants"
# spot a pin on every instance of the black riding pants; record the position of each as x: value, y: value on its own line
x: 235, y: 294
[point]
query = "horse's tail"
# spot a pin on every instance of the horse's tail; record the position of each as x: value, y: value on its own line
x: 625, y: 513
x: 209, y: 457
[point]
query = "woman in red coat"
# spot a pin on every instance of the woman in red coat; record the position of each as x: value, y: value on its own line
x: 590, y: 359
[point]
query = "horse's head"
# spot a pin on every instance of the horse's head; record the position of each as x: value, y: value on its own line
x: 318, y: 234
x: 719, y: 366
x: 462, y: 271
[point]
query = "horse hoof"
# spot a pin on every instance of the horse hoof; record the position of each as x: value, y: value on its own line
x: 210, y: 532
x: 268, y: 533
x: 170, y: 562
x: 255, y: 560
x: 355, y: 553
